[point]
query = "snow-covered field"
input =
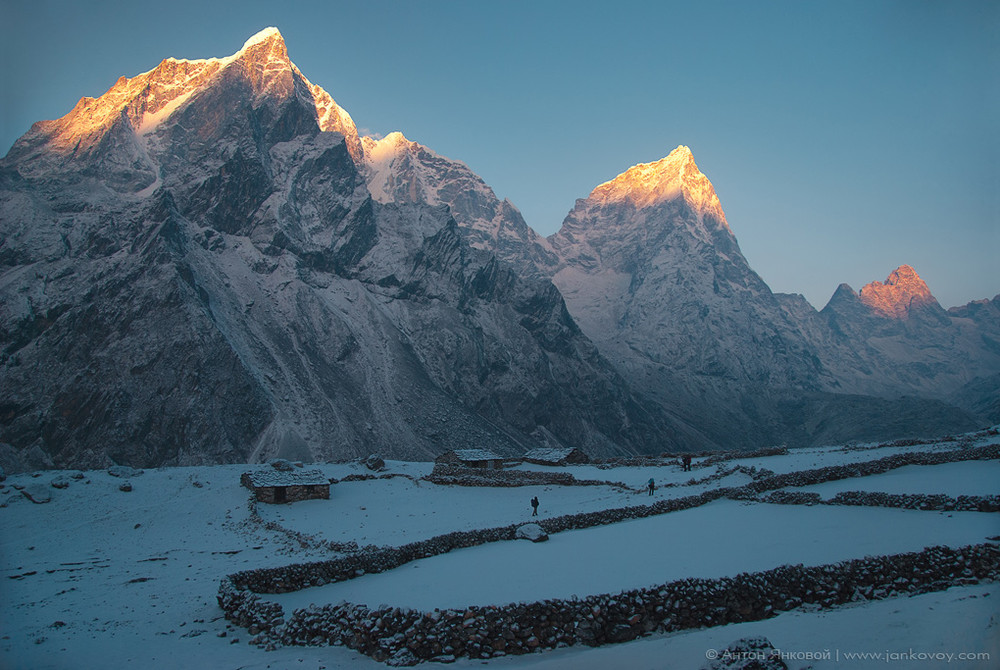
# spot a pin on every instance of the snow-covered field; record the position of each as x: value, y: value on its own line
x: 101, y: 578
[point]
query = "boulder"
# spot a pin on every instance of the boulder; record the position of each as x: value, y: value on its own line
x: 375, y: 463
x: 37, y: 492
x: 531, y: 531
x: 750, y: 653
x: 123, y: 471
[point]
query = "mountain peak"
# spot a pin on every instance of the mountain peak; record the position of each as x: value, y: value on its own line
x: 902, y: 290
x: 148, y: 99
x: 267, y: 34
x: 650, y: 184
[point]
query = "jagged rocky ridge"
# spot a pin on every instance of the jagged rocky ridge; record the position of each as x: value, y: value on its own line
x: 194, y: 270
x: 652, y: 273
x: 209, y: 264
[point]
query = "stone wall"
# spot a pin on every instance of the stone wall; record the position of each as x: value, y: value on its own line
x: 402, y: 637
x: 405, y: 637
x: 269, y: 494
x: 450, y: 475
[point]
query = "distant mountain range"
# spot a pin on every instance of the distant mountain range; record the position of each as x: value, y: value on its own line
x: 208, y: 264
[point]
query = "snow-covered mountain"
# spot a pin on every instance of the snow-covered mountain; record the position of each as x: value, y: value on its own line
x: 654, y: 276
x: 194, y: 270
x: 208, y: 264
x: 399, y: 170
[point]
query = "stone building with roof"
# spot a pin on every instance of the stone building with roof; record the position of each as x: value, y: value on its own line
x: 279, y: 486
x: 471, y: 458
x: 555, y: 456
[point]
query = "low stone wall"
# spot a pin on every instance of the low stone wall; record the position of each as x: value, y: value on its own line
x: 919, y: 501
x: 405, y: 637
x: 451, y: 475
x: 878, y: 466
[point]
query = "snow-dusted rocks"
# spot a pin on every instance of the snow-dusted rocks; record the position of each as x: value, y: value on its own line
x: 124, y: 471
x: 531, y: 531
x: 37, y: 493
x: 753, y: 653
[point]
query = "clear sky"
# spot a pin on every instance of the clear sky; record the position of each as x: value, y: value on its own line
x: 844, y: 138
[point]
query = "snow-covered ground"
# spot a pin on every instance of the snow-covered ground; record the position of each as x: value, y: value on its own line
x: 971, y: 478
x: 723, y: 538
x: 101, y: 578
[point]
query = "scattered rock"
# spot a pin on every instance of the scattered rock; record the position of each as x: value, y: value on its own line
x: 60, y: 482
x: 752, y: 653
x: 374, y: 463
x: 125, y: 486
x: 123, y: 471
x: 37, y: 493
x: 531, y: 531
x: 281, y: 464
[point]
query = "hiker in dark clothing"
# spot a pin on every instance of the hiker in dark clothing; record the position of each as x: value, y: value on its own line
x: 534, y: 506
x: 687, y: 463
x: 651, y: 486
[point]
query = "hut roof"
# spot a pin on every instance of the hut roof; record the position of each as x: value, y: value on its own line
x: 272, y: 477
x: 549, y: 454
x: 477, y: 455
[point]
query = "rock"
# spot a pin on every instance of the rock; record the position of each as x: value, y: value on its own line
x: 375, y: 463
x: 281, y: 464
x: 402, y: 658
x: 125, y: 486
x: 752, y: 653
x: 531, y: 531
x: 123, y: 471
x: 60, y: 482
x: 37, y: 493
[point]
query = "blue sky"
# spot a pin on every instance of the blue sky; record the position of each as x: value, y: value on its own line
x: 843, y: 138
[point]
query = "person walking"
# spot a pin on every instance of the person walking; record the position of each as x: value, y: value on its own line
x: 651, y: 486
x: 534, y: 506
x: 687, y: 463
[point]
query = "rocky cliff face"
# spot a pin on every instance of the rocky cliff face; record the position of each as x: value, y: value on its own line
x: 399, y: 170
x: 194, y: 270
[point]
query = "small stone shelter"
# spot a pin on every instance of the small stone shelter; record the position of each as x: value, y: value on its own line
x: 556, y: 456
x: 471, y: 458
x: 277, y: 486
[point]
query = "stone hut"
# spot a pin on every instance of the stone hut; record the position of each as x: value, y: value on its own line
x: 471, y: 458
x: 277, y: 486
x: 556, y: 456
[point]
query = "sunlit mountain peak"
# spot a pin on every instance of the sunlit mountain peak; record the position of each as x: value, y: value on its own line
x: 902, y: 290
x: 650, y: 184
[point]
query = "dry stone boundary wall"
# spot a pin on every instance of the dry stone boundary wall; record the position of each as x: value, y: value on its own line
x: 404, y: 637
